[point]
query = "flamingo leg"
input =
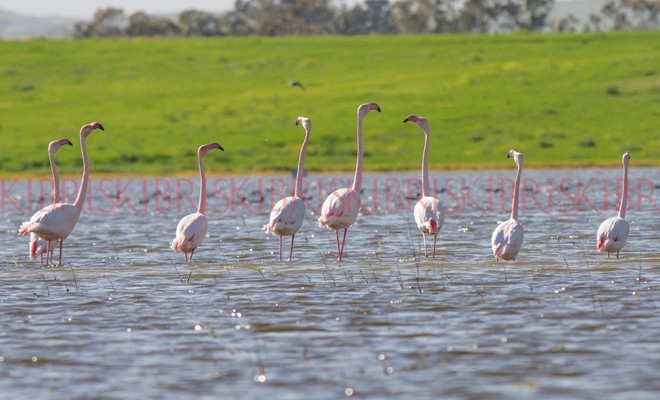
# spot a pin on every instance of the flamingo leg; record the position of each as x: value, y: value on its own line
x: 60, y: 259
x: 426, y: 253
x: 435, y: 238
x: 338, y: 248
x: 189, y: 260
x: 280, y: 248
x: 343, y: 242
x: 291, y: 250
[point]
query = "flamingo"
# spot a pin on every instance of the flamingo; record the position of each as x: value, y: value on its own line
x: 508, y: 236
x: 39, y: 246
x: 613, y: 232
x: 341, y: 207
x: 429, y: 212
x: 56, y: 221
x: 192, y: 228
x: 287, y: 216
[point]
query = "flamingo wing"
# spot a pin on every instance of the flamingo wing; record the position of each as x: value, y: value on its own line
x: 340, y: 209
x: 190, y: 232
x: 287, y: 217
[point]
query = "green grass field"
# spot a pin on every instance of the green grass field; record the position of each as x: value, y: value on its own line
x: 562, y: 100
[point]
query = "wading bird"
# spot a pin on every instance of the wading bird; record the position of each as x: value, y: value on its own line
x: 341, y: 207
x: 287, y: 216
x: 429, y: 212
x: 613, y: 232
x: 191, y: 230
x: 39, y: 246
x: 55, y: 222
x: 508, y: 236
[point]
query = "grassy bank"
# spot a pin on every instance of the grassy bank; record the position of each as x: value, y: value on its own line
x: 563, y: 100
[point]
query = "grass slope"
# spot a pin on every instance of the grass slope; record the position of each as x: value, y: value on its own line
x: 563, y: 100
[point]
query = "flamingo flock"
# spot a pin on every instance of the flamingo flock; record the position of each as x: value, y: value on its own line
x: 55, y: 222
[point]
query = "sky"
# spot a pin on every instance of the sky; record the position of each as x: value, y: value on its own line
x: 85, y: 9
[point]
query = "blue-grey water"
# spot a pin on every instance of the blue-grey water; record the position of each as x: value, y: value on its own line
x: 124, y: 317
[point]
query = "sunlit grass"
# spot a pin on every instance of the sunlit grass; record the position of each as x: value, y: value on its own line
x: 563, y: 100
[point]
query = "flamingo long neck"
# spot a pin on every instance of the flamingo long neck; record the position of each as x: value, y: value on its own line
x: 201, y: 208
x: 357, y: 180
x: 80, y: 199
x: 516, y: 194
x: 624, y: 193
x: 56, y: 178
x: 425, y: 166
x: 301, y: 165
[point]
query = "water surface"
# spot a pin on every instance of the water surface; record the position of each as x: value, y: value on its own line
x: 125, y: 317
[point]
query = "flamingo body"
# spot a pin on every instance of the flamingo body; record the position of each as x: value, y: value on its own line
x: 340, y: 209
x: 190, y: 232
x: 508, y: 237
x: 191, y: 229
x: 507, y: 240
x: 56, y: 221
x: 612, y: 234
x: 52, y: 223
x: 288, y: 214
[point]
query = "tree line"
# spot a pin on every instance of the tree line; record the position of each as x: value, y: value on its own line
x: 321, y: 17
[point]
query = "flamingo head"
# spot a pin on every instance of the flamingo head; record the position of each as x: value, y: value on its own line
x: 56, y: 144
x: 305, y: 122
x: 363, y: 109
x: 421, y: 121
x: 205, y: 148
x: 517, y: 157
x: 625, y: 159
x: 87, y: 129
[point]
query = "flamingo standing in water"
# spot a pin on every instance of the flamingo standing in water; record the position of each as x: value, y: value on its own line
x: 287, y: 216
x: 429, y: 212
x: 508, y: 236
x: 55, y: 222
x: 39, y: 246
x: 613, y: 232
x: 192, y: 228
x: 341, y: 208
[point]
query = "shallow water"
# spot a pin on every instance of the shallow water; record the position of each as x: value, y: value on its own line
x: 125, y: 317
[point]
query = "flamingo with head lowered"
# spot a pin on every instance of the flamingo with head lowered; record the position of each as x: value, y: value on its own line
x: 55, y: 222
x: 288, y: 214
x: 342, y: 206
x: 191, y: 230
x: 613, y: 232
x: 429, y: 212
x: 39, y: 246
x: 508, y: 236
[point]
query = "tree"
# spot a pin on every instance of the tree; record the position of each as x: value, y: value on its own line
x: 198, y: 23
x: 107, y: 22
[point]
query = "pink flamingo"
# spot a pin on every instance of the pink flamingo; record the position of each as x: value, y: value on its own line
x: 613, y: 232
x: 429, y: 212
x: 341, y: 208
x: 287, y: 216
x: 508, y: 236
x: 192, y: 228
x: 39, y: 246
x: 55, y: 222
